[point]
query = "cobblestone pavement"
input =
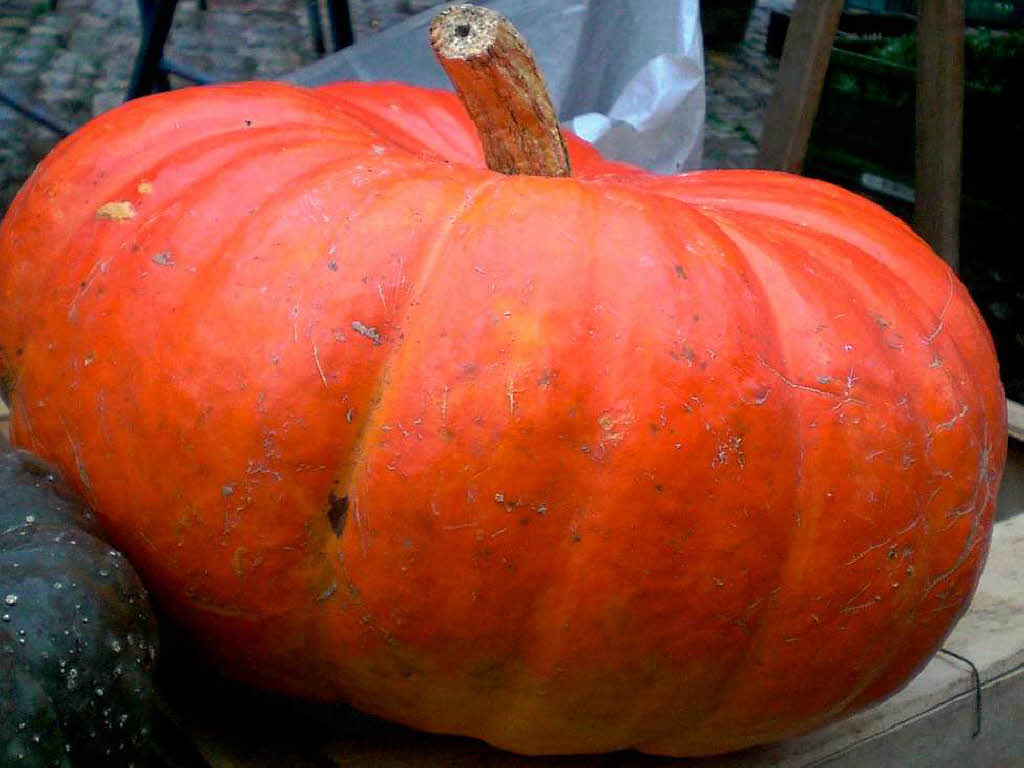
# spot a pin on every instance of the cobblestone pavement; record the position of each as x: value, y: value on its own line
x: 76, y: 61
x: 739, y: 84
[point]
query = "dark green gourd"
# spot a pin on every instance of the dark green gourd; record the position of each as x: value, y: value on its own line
x: 78, y: 637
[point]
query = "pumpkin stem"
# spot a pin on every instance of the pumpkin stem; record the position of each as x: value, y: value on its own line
x: 496, y: 77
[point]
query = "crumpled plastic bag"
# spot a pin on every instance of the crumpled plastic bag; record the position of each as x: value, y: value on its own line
x: 626, y: 75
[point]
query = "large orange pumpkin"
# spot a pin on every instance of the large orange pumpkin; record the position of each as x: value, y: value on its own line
x: 569, y: 464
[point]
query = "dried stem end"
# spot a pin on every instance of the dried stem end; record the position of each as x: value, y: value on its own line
x: 495, y: 75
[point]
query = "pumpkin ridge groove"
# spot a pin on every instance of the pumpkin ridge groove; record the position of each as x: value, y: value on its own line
x: 356, y: 457
x: 799, y: 530
x: 896, y: 284
x: 79, y: 234
x: 410, y: 142
x: 746, y: 229
x: 64, y: 253
x: 217, y: 262
x: 536, y: 632
x: 888, y: 284
x: 891, y: 283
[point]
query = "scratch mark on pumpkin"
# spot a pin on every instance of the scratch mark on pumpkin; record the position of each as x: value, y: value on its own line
x: 853, y: 607
x: 982, y: 499
x: 866, y: 552
x: 920, y: 517
x: 511, y: 391
x: 83, y: 475
x: 380, y: 292
x: 732, y: 445
x: 843, y: 398
x: 328, y: 593
x: 942, y: 314
x: 319, y: 368
x: 949, y: 424
x: 99, y: 268
x: 795, y: 385
x: 861, y: 606
x: 116, y: 210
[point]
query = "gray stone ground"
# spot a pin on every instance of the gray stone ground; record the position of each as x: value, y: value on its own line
x: 76, y: 61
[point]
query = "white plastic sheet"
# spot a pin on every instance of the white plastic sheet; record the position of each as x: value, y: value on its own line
x: 626, y: 75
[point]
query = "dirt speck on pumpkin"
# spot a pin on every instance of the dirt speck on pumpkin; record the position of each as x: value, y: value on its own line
x: 144, y: 188
x: 164, y: 259
x: 370, y: 333
x: 328, y: 593
x: 116, y: 210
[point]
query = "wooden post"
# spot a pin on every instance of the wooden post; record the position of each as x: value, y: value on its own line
x: 940, y: 119
x: 794, y: 103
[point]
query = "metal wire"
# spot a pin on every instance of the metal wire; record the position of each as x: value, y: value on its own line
x: 977, y: 689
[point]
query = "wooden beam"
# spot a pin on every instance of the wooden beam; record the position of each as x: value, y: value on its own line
x: 940, y: 120
x: 794, y: 103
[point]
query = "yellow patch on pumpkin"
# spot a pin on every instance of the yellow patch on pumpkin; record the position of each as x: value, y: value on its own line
x: 116, y: 210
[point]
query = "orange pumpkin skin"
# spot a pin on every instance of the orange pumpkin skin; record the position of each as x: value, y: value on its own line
x: 683, y: 463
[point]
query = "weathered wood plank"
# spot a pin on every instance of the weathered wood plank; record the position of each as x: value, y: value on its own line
x: 794, y: 103
x: 939, y: 127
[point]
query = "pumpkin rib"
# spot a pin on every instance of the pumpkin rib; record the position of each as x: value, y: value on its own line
x: 838, y: 276
x: 822, y: 208
x: 138, y: 134
x: 216, y: 266
x: 807, y: 204
x: 928, y: 330
x: 411, y: 99
x: 931, y: 326
x: 752, y: 232
x: 798, y: 534
x: 674, y: 255
x: 118, y: 188
x: 554, y: 595
x: 65, y: 255
x: 360, y: 450
x: 197, y: 309
x: 194, y: 104
x: 834, y: 194
x: 665, y: 208
x: 903, y: 649
x: 239, y: 165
